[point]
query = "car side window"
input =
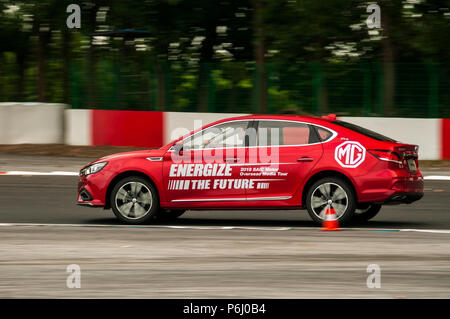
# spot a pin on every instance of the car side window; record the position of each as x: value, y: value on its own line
x: 278, y: 133
x: 229, y: 134
x: 323, y: 133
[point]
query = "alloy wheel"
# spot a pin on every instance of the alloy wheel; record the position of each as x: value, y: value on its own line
x: 326, y: 196
x: 134, y: 200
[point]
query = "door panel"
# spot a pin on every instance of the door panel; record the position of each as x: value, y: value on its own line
x: 281, y: 165
x: 208, y: 168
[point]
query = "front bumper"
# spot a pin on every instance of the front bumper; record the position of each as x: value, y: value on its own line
x: 92, y: 188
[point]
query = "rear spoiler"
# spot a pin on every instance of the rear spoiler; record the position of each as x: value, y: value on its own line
x: 330, y: 117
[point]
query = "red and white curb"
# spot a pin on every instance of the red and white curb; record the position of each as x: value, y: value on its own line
x: 32, y: 173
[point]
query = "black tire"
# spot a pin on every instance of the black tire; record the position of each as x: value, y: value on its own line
x: 346, y: 205
x: 169, y: 214
x: 144, y: 203
x: 363, y: 214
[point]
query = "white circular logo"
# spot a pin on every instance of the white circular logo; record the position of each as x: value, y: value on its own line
x: 350, y: 154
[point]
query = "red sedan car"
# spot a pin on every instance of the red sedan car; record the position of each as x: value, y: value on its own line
x: 258, y: 162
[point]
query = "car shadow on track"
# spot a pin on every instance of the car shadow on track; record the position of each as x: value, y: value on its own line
x: 260, y: 223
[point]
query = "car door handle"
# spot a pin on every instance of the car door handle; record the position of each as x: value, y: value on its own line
x: 305, y: 159
x: 232, y: 160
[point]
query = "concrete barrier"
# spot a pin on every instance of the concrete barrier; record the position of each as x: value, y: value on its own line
x: 127, y: 128
x: 445, y: 139
x: 48, y: 123
x: 133, y: 128
x: 427, y: 133
x: 78, y: 127
x: 35, y: 123
x: 432, y: 135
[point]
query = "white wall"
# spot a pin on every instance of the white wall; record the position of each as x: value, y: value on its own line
x: 46, y: 123
x: 423, y: 132
x: 35, y: 123
x: 78, y: 127
x: 177, y: 124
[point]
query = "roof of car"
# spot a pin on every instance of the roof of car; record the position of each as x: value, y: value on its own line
x: 286, y: 117
x: 289, y: 117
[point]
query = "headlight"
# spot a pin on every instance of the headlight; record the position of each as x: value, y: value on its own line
x: 94, y: 168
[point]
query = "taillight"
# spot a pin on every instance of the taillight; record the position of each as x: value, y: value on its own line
x: 388, y: 156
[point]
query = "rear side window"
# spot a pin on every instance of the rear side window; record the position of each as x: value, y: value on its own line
x: 274, y: 133
x: 364, y: 131
x: 323, y: 134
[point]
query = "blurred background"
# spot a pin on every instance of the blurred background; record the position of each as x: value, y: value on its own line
x: 136, y: 71
x: 245, y: 56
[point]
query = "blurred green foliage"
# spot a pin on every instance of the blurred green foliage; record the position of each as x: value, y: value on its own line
x: 260, y: 56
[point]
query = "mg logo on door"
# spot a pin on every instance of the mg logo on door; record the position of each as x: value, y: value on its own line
x: 350, y: 154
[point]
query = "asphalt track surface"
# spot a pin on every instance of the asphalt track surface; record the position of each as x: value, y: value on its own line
x: 222, y: 254
x: 52, y: 199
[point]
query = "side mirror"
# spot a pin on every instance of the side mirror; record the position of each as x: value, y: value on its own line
x: 178, y: 148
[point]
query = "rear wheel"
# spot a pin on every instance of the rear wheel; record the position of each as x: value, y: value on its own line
x: 330, y: 192
x: 365, y: 213
x: 134, y: 200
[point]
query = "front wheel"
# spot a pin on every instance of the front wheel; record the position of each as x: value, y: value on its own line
x: 134, y: 200
x: 331, y: 192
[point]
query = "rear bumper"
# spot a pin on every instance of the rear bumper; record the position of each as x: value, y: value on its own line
x: 403, y: 198
x: 390, y: 186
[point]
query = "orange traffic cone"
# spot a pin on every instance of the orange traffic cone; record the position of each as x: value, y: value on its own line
x: 330, y: 222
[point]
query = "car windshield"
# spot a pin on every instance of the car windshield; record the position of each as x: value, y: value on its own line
x: 364, y: 131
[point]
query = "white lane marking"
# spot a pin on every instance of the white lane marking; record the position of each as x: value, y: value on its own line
x: 438, y: 231
x: 54, y: 173
x: 148, y: 226
x: 435, y: 231
x: 224, y: 227
x: 437, y: 178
